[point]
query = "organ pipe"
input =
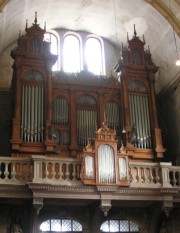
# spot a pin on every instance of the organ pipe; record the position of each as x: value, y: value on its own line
x: 32, y: 117
x: 139, y: 110
x: 106, y: 164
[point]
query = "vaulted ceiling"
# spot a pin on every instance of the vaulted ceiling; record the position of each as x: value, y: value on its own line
x: 111, y: 19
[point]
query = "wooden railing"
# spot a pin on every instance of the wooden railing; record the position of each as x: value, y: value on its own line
x: 66, y: 171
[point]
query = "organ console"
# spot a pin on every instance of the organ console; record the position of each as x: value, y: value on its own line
x: 59, y: 114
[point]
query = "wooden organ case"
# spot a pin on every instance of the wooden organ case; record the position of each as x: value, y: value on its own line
x: 32, y: 93
x: 59, y: 114
x: 136, y: 73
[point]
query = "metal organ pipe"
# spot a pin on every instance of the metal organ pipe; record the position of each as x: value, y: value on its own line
x: 35, y: 114
x: 32, y: 113
x: 106, y: 164
x: 139, y: 110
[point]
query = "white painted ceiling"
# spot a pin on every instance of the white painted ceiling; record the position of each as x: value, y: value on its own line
x: 111, y: 19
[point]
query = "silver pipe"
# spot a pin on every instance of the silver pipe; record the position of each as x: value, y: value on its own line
x: 29, y: 113
x: 22, y: 113
x: 39, y: 113
x: 35, y: 113
x: 42, y: 114
x: 133, y: 115
x: 32, y: 115
x: 140, y: 116
x: 148, y: 121
x: 145, y: 122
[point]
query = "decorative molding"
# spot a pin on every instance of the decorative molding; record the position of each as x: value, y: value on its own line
x: 3, y: 3
x: 106, y: 188
x: 105, y: 206
x: 165, y: 11
x: 38, y: 204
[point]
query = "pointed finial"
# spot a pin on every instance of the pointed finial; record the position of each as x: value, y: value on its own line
x: 149, y: 49
x: 122, y: 46
x: 19, y: 34
x: 135, y: 33
x: 127, y: 36
x: 144, y: 39
x: 35, y: 20
x: 26, y: 23
x: 44, y: 26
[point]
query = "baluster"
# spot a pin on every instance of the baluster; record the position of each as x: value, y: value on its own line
x: 13, y: 172
x: 138, y: 175
x: 6, y: 173
x: 67, y: 174
x: 20, y: 171
x: 174, y: 179
x: 133, y: 174
x: 178, y: 178
x: 142, y: 174
x: 53, y: 173
x: 27, y: 174
x: 60, y: 173
x: 0, y: 170
x: 146, y: 179
x: 46, y: 170
x: 151, y: 175
x: 74, y: 172
x: 78, y: 171
x: 157, y: 178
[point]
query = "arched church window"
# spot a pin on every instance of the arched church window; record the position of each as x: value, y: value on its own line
x: 60, y: 225
x: 94, y: 53
x: 71, y: 53
x: 54, y: 47
x: 124, y: 225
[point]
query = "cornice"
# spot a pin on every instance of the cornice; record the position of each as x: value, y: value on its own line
x: 3, y: 3
x: 165, y: 11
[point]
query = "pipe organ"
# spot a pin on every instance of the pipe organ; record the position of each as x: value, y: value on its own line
x: 60, y: 114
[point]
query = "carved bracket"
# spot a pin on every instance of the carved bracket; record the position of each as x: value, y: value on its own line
x: 167, y: 206
x: 105, y: 206
x: 38, y: 204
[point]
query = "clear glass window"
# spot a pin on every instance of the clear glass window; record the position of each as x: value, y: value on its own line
x: 119, y: 226
x: 50, y: 37
x: 94, y: 56
x: 60, y: 225
x: 71, y: 54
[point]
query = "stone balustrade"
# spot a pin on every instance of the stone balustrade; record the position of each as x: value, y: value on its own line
x: 66, y: 171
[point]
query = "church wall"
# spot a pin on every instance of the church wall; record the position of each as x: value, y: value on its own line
x: 169, y: 112
x: 6, y: 68
x: 5, y: 122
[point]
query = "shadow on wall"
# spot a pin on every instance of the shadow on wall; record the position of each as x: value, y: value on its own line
x: 5, y: 122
